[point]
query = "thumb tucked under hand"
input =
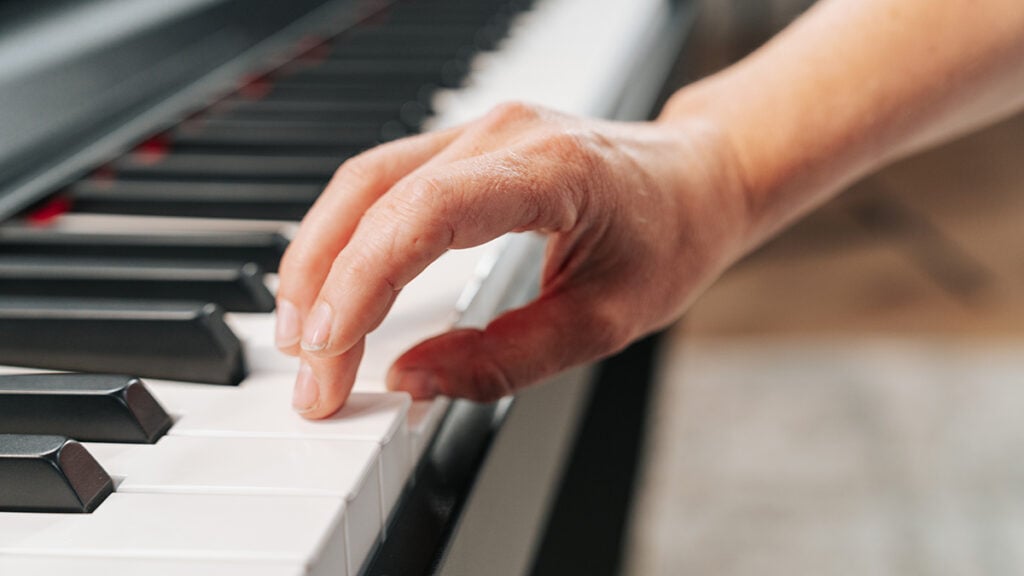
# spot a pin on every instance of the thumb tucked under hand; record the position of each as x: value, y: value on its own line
x: 517, y: 349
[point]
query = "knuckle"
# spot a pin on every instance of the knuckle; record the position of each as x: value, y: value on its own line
x: 395, y: 212
x: 582, y: 169
x: 296, y: 258
x: 357, y: 171
x: 512, y: 112
x: 405, y: 207
x: 424, y: 207
x: 574, y: 148
x: 406, y: 225
x: 422, y: 193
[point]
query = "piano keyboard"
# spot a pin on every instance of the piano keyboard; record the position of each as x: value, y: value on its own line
x: 160, y: 263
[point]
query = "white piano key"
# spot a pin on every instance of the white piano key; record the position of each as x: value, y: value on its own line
x: 242, y: 465
x: 426, y: 307
x: 288, y: 530
x: 346, y: 469
x: 90, y: 566
x: 256, y: 332
x: 570, y: 55
x: 260, y: 407
x: 424, y: 418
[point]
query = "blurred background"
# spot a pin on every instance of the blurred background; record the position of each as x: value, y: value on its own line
x: 848, y: 399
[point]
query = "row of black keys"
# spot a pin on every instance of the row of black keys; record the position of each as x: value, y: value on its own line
x: 267, y: 151
x: 142, y: 305
x: 147, y: 305
x: 41, y: 468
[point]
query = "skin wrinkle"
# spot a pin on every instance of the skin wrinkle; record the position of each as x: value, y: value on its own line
x: 565, y: 252
x: 508, y: 175
x: 513, y: 167
x: 569, y: 252
x: 384, y: 313
x: 497, y: 381
x: 584, y: 172
x: 511, y: 170
x: 713, y: 175
x: 429, y: 192
x: 402, y: 214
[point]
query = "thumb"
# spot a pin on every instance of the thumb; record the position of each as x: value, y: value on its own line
x: 517, y: 349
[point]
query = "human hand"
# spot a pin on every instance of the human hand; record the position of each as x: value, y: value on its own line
x: 640, y: 217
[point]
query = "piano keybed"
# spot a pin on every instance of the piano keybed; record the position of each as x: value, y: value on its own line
x: 160, y: 264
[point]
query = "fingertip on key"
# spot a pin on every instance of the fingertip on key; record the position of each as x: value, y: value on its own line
x: 306, y: 395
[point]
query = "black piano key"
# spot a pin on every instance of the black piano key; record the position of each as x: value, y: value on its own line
x: 344, y: 48
x: 321, y: 92
x: 49, y: 474
x: 86, y: 407
x: 261, y: 248
x: 455, y: 18
x: 448, y: 72
x: 426, y: 31
x: 235, y: 287
x: 481, y: 37
x: 241, y: 200
x: 241, y: 134
x: 173, y: 341
x: 227, y: 167
x: 411, y: 113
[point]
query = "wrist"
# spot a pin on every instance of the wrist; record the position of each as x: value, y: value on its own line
x: 783, y: 165
x: 709, y: 145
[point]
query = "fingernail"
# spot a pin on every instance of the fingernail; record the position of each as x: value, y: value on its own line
x: 318, y: 328
x: 287, y: 331
x: 419, y: 383
x: 307, y: 393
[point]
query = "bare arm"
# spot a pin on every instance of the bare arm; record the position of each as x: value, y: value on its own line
x: 643, y: 216
x: 853, y: 85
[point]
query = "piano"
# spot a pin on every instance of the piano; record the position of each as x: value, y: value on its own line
x: 155, y: 157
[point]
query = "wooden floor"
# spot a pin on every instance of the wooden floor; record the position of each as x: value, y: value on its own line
x: 850, y: 399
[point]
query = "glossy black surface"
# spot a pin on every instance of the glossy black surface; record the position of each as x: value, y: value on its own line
x: 234, y: 287
x: 163, y: 340
x: 429, y: 508
x: 86, y: 407
x: 290, y: 168
x: 278, y: 135
x: 87, y: 81
x: 263, y: 249
x: 196, y: 199
x: 49, y: 474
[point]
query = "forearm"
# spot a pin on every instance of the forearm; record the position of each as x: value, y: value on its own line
x: 852, y: 85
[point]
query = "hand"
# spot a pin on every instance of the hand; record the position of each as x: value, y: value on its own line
x: 640, y: 217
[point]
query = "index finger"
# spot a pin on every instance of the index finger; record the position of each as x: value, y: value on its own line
x: 329, y: 224
x: 458, y: 205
